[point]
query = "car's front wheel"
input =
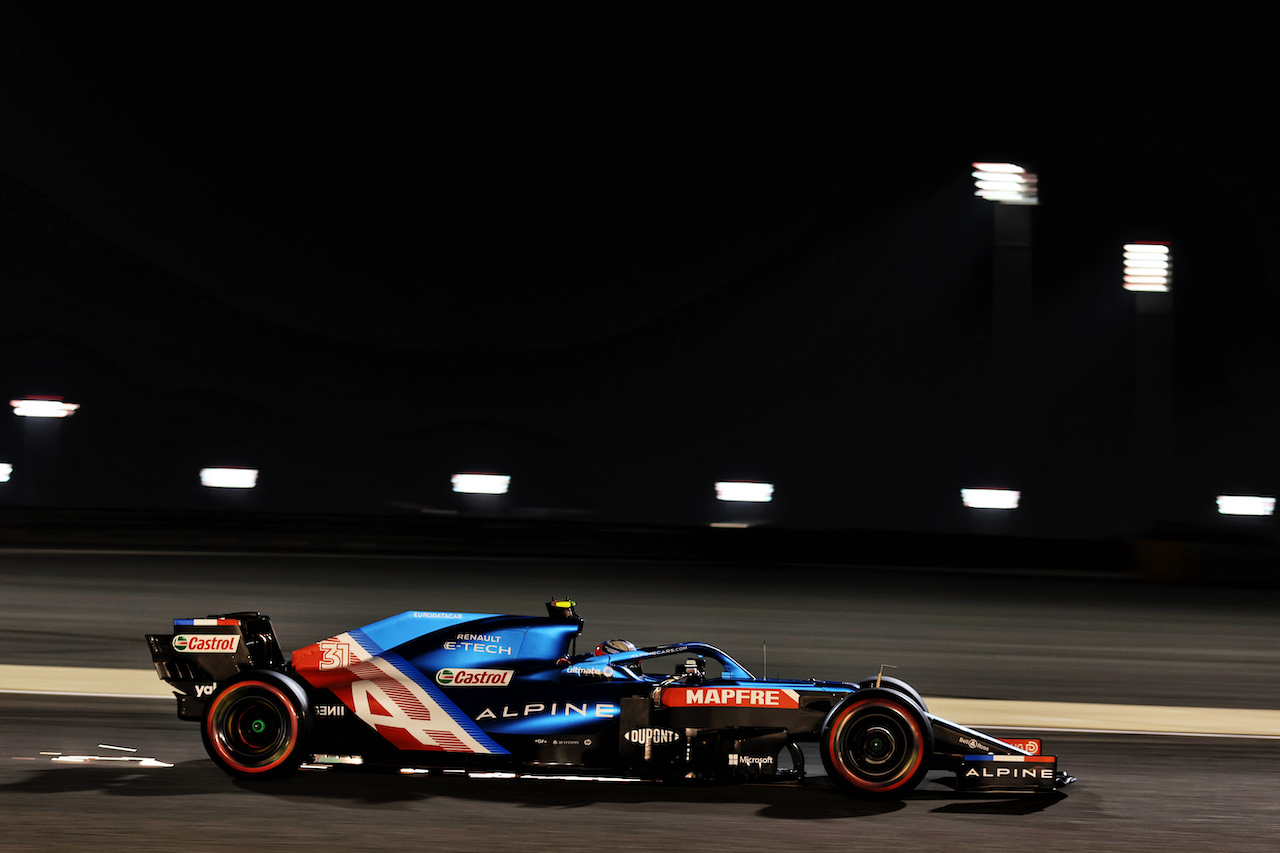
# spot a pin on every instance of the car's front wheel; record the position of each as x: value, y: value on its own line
x: 876, y: 744
x: 895, y: 684
x: 256, y: 726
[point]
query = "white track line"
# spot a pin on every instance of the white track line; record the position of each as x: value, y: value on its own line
x: 1098, y: 717
x: 1042, y: 729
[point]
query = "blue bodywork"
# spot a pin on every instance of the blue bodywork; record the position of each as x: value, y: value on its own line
x: 549, y: 693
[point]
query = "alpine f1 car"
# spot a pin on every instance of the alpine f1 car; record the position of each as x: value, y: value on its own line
x: 436, y: 689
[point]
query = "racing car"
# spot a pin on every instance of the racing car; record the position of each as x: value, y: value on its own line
x: 485, y: 691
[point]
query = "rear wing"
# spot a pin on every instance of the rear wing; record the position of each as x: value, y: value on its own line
x: 204, y: 651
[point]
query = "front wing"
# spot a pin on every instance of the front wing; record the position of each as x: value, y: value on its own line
x: 986, y: 764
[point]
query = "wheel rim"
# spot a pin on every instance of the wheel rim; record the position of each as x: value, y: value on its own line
x: 252, y: 726
x: 876, y: 745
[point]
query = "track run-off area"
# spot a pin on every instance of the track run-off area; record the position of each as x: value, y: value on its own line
x: 1163, y: 701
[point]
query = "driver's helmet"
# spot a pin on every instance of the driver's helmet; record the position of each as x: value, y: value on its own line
x: 613, y: 647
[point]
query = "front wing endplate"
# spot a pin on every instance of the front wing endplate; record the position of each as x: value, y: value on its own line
x: 1002, y: 773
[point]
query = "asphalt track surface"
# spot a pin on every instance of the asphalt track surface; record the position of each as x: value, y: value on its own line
x: 954, y: 635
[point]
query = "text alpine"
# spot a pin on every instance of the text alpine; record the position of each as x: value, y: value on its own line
x: 602, y: 710
x: 1010, y: 773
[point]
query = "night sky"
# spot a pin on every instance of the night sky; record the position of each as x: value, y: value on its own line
x: 362, y: 255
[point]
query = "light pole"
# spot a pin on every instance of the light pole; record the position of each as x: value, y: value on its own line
x: 482, y: 494
x: 1148, y: 274
x: 1261, y: 506
x: 41, y: 417
x: 746, y: 500
x: 1015, y: 190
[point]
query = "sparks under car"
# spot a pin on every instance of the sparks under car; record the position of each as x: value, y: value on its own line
x: 481, y: 691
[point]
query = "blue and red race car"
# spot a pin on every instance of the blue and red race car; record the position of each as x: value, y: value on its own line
x: 439, y: 689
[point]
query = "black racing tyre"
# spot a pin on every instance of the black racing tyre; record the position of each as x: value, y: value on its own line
x: 899, y: 685
x: 876, y: 744
x: 256, y: 726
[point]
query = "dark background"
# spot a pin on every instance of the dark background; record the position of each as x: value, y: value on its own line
x: 618, y: 261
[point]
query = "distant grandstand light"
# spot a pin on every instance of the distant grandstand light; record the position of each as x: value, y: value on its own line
x: 43, y: 407
x: 742, y: 490
x: 229, y: 478
x: 1006, y: 183
x: 481, y: 484
x: 990, y: 498
x: 1147, y: 267
x: 6, y: 470
x: 1246, y: 505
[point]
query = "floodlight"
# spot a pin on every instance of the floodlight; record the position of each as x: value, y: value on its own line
x: 43, y: 407
x: 229, y: 478
x: 481, y: 484
x: 6, y: 470
x: 1006, y: 183
x: 1147, y: 267
x: 747, y: 491
x: 990, y: 498
x: 1246, y: 505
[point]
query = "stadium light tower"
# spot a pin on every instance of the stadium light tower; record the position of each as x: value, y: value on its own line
x: 743, y: 491
x: 1006, y: 183
x: 481, y: 484
x: 743, y: 503
x: 41, y: 438
x: 1014, y: 189
x: 1147, y: 272
x: 484, y: 494
x: 1258, y: 505
x: 990, y: 498
x: 43, y: 407
x: 1147, y: 267
x: 229, y: 478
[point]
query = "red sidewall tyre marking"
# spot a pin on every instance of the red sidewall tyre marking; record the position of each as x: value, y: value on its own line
x: 291, y: 720
x: 838, y: 758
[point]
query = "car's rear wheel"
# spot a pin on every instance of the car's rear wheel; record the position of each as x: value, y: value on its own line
x: 876, y: 744
x: 255, y: 727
